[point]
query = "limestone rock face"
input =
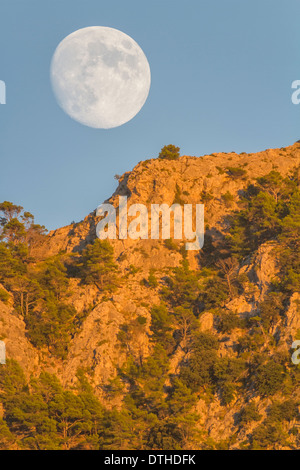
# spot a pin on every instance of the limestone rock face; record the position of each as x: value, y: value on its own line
x: 13, y: 334
x: 206, y: 321
x: 292, y: 321
x: 264, y: 267
x: 97, y: 347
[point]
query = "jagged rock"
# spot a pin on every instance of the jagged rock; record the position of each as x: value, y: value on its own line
x: 206, y: 321
x: 292, y: 320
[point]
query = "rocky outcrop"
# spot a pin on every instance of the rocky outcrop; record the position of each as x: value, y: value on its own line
x: 291, y: 329
x: 158, y: 181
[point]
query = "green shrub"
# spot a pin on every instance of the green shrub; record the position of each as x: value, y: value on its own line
x: 285, y: 411
x: 170, y: 244
x: 248, y: 414
x: 177, y: 198
x: 228, y: 198
x: 199, y: 370
x: 152, y: 281
x: 169, y: 152
x: 236, y: 172
x: 206, y: 197
x: 267, y: 436
x: 4, y: 296
x: 269, y: 378
x: 227, y: 393
x: 228, y: 322
x: 221, y: 171
x: 98, y: 266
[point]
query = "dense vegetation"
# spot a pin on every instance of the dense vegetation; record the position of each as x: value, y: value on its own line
x: 158, y: 409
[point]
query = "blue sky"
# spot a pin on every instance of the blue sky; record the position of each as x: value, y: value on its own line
x: 221, y: 81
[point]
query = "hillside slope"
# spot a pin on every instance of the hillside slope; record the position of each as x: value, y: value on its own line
x: 192, y: 348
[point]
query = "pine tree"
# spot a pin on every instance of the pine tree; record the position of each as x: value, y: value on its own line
x: 98, y: 265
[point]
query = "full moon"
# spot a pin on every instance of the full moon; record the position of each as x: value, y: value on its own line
x: 100, y: 77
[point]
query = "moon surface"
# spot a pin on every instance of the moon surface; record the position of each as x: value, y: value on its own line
x: 100, y: 77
